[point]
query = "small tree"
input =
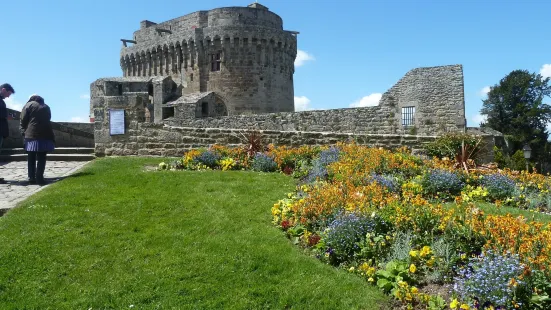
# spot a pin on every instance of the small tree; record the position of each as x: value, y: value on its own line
x: 515, y: 107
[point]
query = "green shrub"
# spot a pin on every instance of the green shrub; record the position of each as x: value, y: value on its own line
x: 449, y: 145
x: 264, y: 163
x: 442, y: 183
x: 517, y: 161
x: 501, y: 159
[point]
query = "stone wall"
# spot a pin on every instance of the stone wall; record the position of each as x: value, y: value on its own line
x: 436, y: 93
x: 65, y: 136
x: 86, y: 127
x: 148, y: 139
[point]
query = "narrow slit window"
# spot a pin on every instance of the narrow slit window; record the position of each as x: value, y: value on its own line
x: 408, y: 116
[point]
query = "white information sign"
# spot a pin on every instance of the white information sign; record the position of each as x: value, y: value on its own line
x: 116, y: 122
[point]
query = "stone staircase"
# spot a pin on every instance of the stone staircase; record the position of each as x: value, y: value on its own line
x: 60, y: 154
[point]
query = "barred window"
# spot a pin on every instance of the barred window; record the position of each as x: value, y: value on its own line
x: 215, y: 62
x: 408, y: 116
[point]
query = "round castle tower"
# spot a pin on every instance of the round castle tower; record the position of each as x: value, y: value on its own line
x: 242, y: 54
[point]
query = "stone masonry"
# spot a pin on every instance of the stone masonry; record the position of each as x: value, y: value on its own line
x: 240, y: 53
x: 173, y: 100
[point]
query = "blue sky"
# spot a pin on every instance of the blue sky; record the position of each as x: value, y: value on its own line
x: 349, y: 51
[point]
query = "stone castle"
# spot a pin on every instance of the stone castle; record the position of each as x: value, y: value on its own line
x: 202, y: 78
x: 240, y: 55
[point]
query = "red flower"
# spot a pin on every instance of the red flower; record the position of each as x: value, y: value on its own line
x: 287, y: 170
x: 285, y: 224
x: 313, y: 240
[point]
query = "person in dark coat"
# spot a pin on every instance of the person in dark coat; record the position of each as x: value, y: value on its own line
x: 5, y: 92
x: 37, y: 130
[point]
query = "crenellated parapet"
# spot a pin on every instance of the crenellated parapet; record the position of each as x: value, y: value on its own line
x: 173, y: 57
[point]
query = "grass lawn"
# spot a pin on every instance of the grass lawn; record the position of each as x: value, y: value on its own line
x: 117, y: 237
x: 490, y: 208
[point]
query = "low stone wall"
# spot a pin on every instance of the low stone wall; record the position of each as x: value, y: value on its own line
x: 86, y: 127
x: 64, y: 136
x: 368, y: 120
x: 150, y: 139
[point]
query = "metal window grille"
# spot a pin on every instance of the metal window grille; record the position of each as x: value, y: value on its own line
x: 408, y: 116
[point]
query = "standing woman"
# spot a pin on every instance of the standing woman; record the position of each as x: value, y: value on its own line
x: 39, y: 137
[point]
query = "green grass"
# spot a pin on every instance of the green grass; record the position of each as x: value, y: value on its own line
x: 535, y: 216
x: 115, y: 235
x: 490, y: 208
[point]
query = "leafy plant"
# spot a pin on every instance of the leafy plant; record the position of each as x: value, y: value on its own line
x: 387, y: 181
x: 319, y: 165
x: 501, y: 158
x: 436, y: 303
x: 394, y: 272
x: 253, y: 142
x: 208, y: 158
x: 302, y: 168
x: 458, y: 146
x: 518, y: 162
x: 345, y: 234
x: 399, y: 250
x: 499, y: 186
x: 491, y: 279
x: 264, y: 163
x: 442, y: 183
x: 541, y: 287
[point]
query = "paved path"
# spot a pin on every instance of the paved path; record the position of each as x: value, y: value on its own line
x: 17, y: 188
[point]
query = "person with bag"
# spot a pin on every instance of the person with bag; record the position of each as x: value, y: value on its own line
x: 38, y: 134
x: 6, y: 90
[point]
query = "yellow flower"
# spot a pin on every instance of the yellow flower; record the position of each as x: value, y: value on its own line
x: 412, y: 268
x: 465, y: 307
x: 414, y: 290
x: 454, y: 304
x: 430, y: 262
x: 425, y: 251
x: 413, y: 253
x: 370, y: 279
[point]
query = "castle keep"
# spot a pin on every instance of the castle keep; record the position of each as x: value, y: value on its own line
x: 203, y: 78
x: 241, y: 54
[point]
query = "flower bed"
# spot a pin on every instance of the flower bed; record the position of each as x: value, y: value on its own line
x: 405, y: 224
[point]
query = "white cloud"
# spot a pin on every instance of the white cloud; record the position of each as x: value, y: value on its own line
x: 303, y: 57
x: 479, y: 118
x: 302, y: 103
x: 85, y: 96
x: 367, y: 101
x: 77, y: 119
x: 545, y: 70
x: 484, y: 91
x: 13, y: 104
